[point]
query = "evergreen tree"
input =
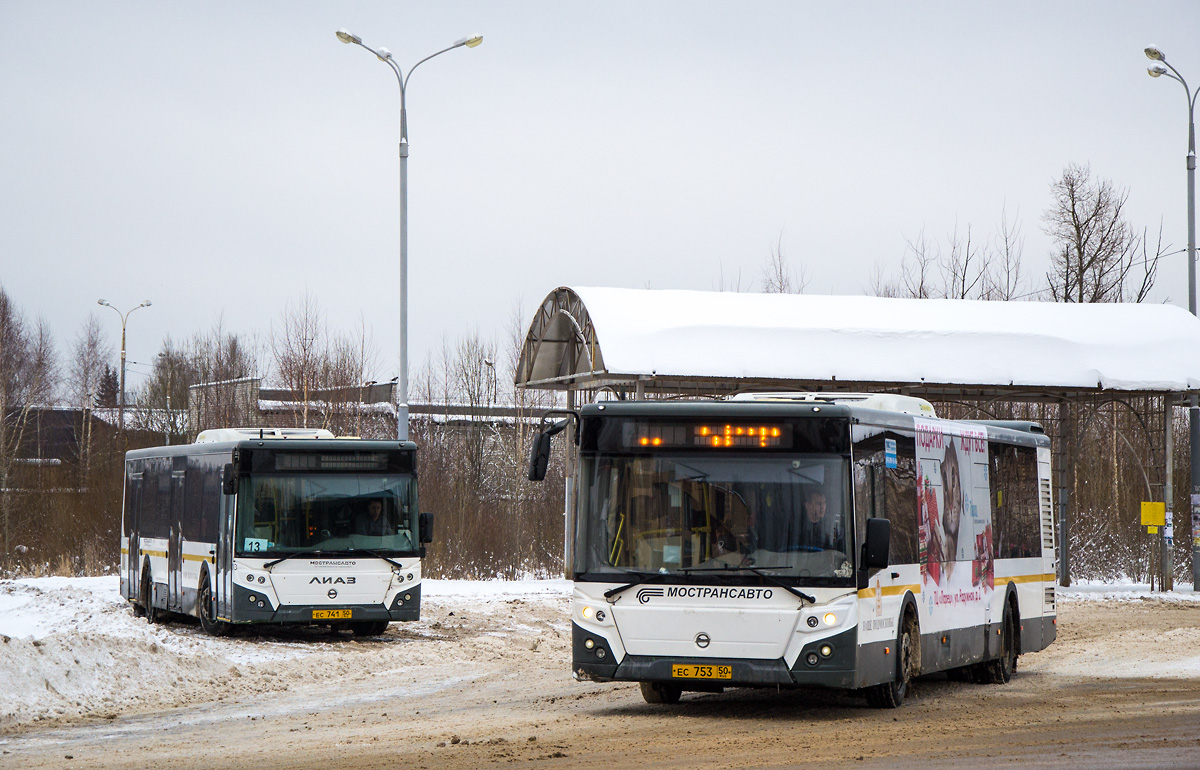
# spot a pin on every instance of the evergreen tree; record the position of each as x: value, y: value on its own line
x: 110, y: 385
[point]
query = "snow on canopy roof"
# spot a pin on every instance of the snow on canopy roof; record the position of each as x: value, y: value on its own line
x: 592, y: 337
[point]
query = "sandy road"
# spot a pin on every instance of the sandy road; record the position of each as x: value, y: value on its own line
x: 494, y: 690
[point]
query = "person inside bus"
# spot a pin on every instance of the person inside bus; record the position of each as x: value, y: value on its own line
x: 820, y: 530
x: 372, y: 521
x: 264, y: 520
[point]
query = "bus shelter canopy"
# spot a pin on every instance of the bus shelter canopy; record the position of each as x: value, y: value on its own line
x: 669, y: 341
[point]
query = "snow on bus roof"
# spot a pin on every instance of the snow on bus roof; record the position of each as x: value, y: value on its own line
x: 724, y: 335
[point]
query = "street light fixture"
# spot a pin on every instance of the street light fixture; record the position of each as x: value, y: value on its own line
x: 121, y: 394
x: 1159, y: 70
x: 385, y: 56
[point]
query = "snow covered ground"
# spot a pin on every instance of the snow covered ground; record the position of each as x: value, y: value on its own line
x: 71, y: 646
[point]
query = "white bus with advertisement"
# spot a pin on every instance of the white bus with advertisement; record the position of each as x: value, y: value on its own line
x: 811, y: 540
x: 274, y: 526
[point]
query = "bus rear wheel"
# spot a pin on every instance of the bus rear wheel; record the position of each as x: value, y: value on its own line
x: 661, y: 692
x: 153, y: 614
x: 1000, y: 670
x: 206, y: 610
x: 890, y: 695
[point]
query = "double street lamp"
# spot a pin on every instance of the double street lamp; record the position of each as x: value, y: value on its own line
x: 121, y: 394
x: 385, y: 56
x: 1165, y: 68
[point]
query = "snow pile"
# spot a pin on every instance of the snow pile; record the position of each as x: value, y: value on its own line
x: 1099, y: 591
x: 71, y: 646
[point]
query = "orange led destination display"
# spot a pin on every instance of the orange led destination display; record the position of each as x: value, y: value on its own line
x: 713, y: 435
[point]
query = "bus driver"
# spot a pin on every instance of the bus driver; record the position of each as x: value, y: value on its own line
x: 372, y: 521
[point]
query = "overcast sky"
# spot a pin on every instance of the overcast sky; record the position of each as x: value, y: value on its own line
x: 226, y: 157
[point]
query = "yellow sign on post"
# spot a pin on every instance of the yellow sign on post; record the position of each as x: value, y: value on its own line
x: 1154, y: 514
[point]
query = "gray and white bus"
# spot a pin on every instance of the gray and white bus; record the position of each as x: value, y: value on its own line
x: 280, y: 526
x: 848, y: 541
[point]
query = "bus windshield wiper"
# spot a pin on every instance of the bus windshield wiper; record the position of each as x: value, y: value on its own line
x: 764, y: 575
x: 642, y: 578
x: 352, y: 551
x: 270, y: 564
x: 378, y: 555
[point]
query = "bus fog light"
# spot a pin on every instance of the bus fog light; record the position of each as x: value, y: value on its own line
x: 830, y: 618
x: 812, y: 658
x: 587, y: 613
x: 826, y: 651
x: 260, y: 604
x: 589, y: 643
x: 600, y: 653
x: 253, y: 598
x: 408, y: 597
x: 399, y: 602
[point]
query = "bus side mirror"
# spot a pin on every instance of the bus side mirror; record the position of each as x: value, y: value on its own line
x: 229, y: 480
x: 879, y: 538
x: 539, y: 456
x: 425, y: 527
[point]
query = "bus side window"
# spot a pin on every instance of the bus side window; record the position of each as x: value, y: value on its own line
x: 1016, y: 524
x: 888, y: 493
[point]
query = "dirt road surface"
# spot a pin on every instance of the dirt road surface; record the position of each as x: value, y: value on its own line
x: 492, y: 688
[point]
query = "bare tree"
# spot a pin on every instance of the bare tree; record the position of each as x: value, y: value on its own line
x: 300, y: 346
x: 162, y: 401
x: 27, y: 368
x: 1004, y: 281
x: 917, y: 276
x: 86, y: 372
x: 778, y: 276
x: 227, y: 361
x: 1096, y: 250
x: 965, y: 267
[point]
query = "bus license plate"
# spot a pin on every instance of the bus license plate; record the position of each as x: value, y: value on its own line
x: 331, y: 614
x: 702, y: 672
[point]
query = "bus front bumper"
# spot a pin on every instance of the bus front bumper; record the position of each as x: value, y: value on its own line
x: 835, y: 670
x: 246, y: 611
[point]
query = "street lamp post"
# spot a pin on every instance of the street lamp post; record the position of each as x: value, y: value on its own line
x: 121, y: 394
x: 1194, y: 406
x: 385, y: 56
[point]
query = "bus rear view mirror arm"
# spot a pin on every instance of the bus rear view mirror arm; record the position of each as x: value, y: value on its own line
x: 229, y: 479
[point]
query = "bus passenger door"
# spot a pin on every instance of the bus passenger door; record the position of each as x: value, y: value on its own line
x: 175, y: 544
x: 224, y: 558
x: 133, y: 557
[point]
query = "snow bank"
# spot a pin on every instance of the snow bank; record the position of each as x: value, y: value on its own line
x: 71, y: 646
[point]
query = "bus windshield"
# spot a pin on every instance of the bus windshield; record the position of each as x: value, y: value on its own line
x: 327, y: 513
x: 675, y: 513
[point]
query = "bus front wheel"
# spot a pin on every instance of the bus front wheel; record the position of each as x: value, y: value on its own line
x: 206, y: 610
x: 890, y: 695
x: 369, y: 627
x: 661, y: 692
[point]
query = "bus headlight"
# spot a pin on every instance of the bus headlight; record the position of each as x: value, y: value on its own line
x: 830, y: 619
x: 589, y: 643
x: 588, y: 613
x: 826, y: 651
